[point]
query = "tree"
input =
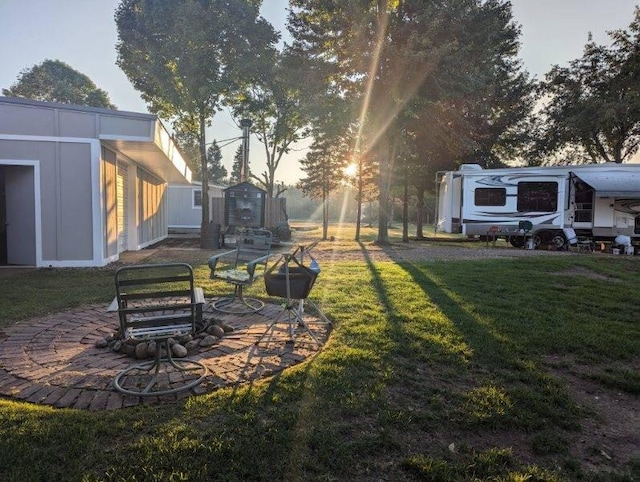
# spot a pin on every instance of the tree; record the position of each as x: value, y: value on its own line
x: 186, y: 138
x: 185, y: 57
x: 366, y: 186
x: 236, y: 168
x: 190, y: 147
x: 390, y: 56
x: 56, y: 81
x: 217, y: 172
x: 323, y: 166
x: 594, y: 112
x: 273, y: 104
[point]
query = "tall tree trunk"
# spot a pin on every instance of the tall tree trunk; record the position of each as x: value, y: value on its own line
x: 385, y: 174
x: 359, y: 210
x: 325, y: 214
x: 405, y: 206
x: 420, y: 214
x: 204, y: 224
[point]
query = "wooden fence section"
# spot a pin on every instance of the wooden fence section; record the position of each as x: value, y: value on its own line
x: 275, y: 211
x: 217, y: 210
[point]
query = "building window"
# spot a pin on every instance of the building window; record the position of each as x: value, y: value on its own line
x: 490, y: 196
x: 197, y: 198
x: 538, y: 196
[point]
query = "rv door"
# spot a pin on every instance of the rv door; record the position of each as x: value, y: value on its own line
x: 449, y: 203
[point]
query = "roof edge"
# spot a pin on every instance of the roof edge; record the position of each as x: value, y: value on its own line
x: 80, y: 108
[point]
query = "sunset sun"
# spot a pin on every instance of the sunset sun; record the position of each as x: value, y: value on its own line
x: 351, y: 170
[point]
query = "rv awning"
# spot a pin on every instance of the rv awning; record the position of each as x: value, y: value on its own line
x: 615, y: 184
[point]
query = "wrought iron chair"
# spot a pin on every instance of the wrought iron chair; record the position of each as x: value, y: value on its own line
x: 241, y: 267
x: 158, y: 302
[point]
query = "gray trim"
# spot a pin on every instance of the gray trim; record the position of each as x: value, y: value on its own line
x: 79, y: 108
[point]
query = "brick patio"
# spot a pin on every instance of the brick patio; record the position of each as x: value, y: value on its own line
x: 53, y: 360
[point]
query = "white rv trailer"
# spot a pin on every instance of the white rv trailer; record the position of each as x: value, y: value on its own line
x: 599, y: 201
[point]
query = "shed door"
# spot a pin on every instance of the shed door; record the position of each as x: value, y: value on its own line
x: 20, y: 215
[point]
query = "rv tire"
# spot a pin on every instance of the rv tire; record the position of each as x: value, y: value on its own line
x: 558, y: 241
x: 516, y: 241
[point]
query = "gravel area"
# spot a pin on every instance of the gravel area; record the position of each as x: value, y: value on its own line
x: 414, y: 251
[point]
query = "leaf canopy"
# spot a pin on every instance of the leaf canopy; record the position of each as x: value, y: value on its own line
x: 56, y: 81
x: 593, y: 114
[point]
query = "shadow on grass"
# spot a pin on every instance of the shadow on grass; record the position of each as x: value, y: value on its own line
x: 499, y: 384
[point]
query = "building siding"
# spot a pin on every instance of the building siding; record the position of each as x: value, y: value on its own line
x: 65, y: 188
x: 99, y: 179
x: 152, y: 209
x: 182, y: 213
x: 110, y: 214
x: 75, y: 231
x: 122, y: 194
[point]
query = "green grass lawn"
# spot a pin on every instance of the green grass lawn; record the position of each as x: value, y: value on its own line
x: 439, y: 371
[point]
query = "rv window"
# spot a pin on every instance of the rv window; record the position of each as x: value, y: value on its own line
x: 538, y: 196
x: 490, y: 196
x: 197, y: 198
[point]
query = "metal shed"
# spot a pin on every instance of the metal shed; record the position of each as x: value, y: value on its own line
x: 244, y: 205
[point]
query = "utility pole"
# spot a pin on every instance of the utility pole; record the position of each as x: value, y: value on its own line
x: 244, y: 168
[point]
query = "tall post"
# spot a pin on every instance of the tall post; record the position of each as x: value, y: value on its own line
x: 244, y: 168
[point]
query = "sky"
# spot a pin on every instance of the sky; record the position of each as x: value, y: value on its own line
x: 83, y: 34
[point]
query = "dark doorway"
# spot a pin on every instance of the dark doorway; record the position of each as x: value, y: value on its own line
x: 17, y: 215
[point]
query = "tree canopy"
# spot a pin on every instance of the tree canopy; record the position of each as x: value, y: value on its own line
x: 593, y: 114
x: 323, y: 166
x: 417, y: 69
x: 273, y: 104
x: 56, y: 81
x: 185, y: 57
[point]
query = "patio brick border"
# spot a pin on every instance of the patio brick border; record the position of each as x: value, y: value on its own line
x: 52, y: 360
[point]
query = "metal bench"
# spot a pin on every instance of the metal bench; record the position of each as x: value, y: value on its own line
x: 158, y: 302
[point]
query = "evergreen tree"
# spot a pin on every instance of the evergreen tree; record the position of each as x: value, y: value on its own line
x: 236, y: 168
x: 324, y: 168
x: 365, y: 183
x: 187, y: 140
x: 217, y: 172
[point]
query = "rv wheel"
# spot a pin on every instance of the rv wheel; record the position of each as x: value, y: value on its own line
x: 538, y: 239
x: 558, y: 241
x: 516, y: 241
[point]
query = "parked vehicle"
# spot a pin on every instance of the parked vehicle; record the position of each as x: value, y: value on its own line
x: 598, y: 201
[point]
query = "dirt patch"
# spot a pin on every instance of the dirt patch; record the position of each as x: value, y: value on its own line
x: 343, y: 250
x: 587, y: 273
x: 610, y: 435
x: 422, y: 252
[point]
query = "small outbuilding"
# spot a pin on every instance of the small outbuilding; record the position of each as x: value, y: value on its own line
x: 244, y: 206
x: 80, y: 185
x: 185, y: 207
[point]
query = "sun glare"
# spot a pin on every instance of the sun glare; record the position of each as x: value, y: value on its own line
x: 351, y: 170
